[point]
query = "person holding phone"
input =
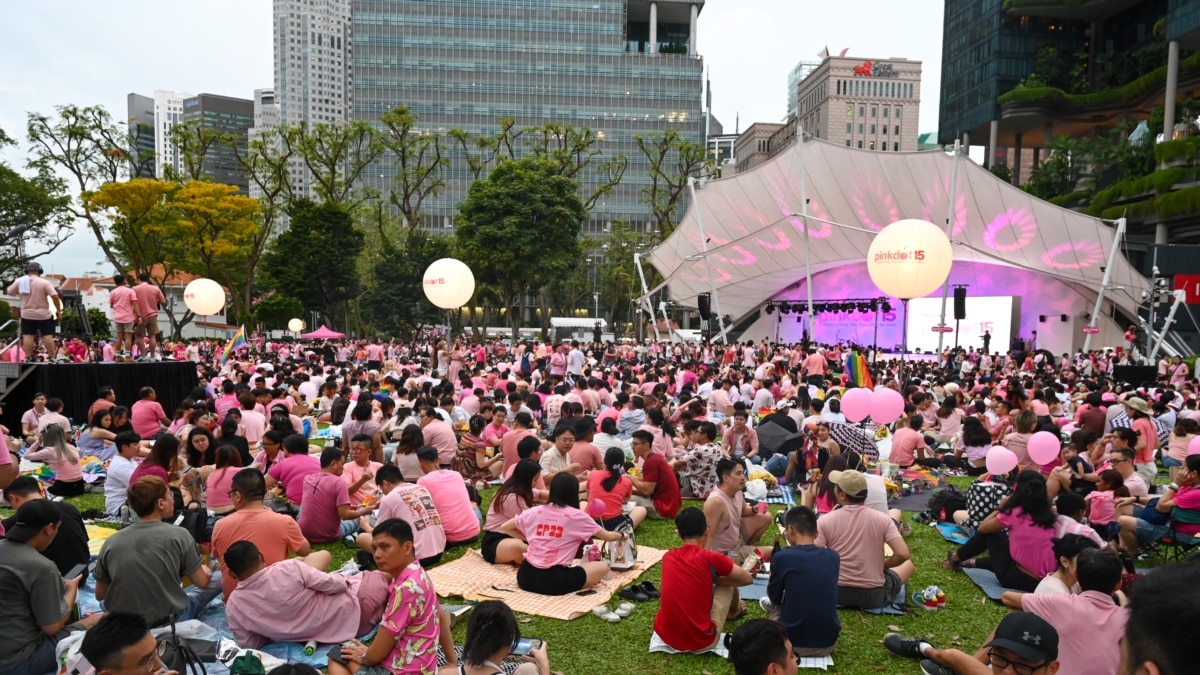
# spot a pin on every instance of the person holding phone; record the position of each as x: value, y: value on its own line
x: 492, y: 635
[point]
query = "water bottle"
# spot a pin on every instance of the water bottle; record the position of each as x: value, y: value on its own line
x: 310, y: 647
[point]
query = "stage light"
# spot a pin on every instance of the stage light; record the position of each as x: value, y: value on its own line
x: 770, y: 308
x: 785, y: 308
x: 886, y: 307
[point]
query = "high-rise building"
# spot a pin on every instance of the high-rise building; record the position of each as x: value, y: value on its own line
x: 621, y: 67
x: 266, y: 116
x: 168, y: 111
x: 140, y: 121
x: 801, y: 71
x: 312, y: 65
x: 232, y: 118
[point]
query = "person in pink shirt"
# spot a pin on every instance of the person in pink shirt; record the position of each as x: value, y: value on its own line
x: 359, y: 473
x: 460, y: 516
x: 123, y: 300
x: 220, y: 481
x: 149, y: 299
x: 147, y: 416
x: 439, y: 434
x: 254, y: 423
x: 414, y: 505
x: 906, y: 443
x: 63, y: 458
x: 494, y: 432
x: 37, y: 294
x: 554, y: 533
x: 291, y: 470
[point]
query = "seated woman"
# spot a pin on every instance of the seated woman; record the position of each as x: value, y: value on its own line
x: 63, y: 458
x: 514, y: 497
x: 492, y: 633
x: 614, y: 488
x: 219, y: 480
x: 1183, y: 494
x: 472, y: 460
x: 405, y: 456
x: 973, y: 446
x: 1066, y: 551
x: 819, y: 496
x: 1022, y: 556
x: 97, y: 440
x: 554, y: 533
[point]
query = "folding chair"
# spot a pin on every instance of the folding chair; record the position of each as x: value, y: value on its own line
x: 1177, y: 545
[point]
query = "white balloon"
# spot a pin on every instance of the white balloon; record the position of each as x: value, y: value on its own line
x: 448, y: 283
x: 910, y: 259
x: 295, y: 325
x: 204, y: 297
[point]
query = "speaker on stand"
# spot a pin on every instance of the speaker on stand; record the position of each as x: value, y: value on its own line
x: 960, y: 310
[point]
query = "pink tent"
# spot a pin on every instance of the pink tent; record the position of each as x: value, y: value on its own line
x: 322, y: 333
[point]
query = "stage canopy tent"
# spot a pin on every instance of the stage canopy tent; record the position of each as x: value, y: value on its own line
x: 323, y: 333
x: 756, y: 237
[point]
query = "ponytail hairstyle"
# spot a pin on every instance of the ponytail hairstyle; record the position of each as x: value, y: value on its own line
x: 614, y: 461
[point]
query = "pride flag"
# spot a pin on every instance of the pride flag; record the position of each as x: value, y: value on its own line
x: 860, y: 375
x: 238, y: 341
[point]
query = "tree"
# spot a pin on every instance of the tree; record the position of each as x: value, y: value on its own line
x: 275, y: 310
x: 572, y: 150
x: 34, y: 216
x: 336, y: 155
x: 519, y: 228
x: 1059, y: 172
x: 193, y: 140
x: 314, y: 260
x: 212, y: 234
x: 69, y: 323
x: 672, y: 161
x: 618, y: 280
x: 481, y: 152
x: 397, y: 305
x: 419, y: 163
x: 90, y: 148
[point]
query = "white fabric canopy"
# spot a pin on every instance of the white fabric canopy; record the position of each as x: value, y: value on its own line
x: 756, y: 242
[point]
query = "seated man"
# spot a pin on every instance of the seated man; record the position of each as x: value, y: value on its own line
x: 319, y: 606
x: 275, y: 534
x: 70, y: 545
x: 295, y: 466
x: 35, y: 601
x: 697, y: 587
x: 140, y: 567
x: 697, y: 467
x: 459, y: 515
x: 866, y: 579
x: 656, y: 488
x: 733, y: 527
x: 1022, y: 643
x: 326, y: 515
x: 802, y: 593
x: 1089, y: 625
x: 1164, y: 608
x: 121, y: 643
x: 761, y: 647
x: 414, y: 505
x: 120, y: 468
x: 1185, y: 494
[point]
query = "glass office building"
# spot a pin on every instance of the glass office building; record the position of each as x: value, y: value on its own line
x: 232, y: 117
x: 621, y: 67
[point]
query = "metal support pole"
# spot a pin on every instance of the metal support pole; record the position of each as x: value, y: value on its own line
x: 712, y: 284
x: 1112, y: 259
x: 904, y: 345
x: 875, y: 340
x: 812, y: 322
x: 950, y: 234
x: 645, y: 303
x: 1180, y: 297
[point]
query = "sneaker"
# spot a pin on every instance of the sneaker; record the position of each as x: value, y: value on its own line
x: 903, y: 646
x: 766, y: 605
x: 930, y: 668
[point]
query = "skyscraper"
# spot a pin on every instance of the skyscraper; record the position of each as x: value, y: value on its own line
x: 168, y: 111
x: 801, y: 71
x: 140, y: 120
x: 266, y: 116
x: 230, y: 117
x: 621, y: 67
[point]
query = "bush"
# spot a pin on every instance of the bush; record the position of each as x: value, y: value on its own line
x: 1152, y: 81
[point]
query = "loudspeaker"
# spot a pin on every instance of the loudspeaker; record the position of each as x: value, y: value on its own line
x: 1135, y: 375
x: 1064, y: 318
x: 960, y: 303
x: 704, y: 303
x: 1041, y: 318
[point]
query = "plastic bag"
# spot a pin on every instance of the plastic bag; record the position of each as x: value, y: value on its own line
x: 756, y: 489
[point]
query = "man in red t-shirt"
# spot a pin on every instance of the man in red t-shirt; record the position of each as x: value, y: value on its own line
x: 657, y: 488
x: 694, y: 606
x: 149, y: 298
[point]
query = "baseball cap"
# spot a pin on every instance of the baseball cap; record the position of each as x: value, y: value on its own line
x: 853, y: 483
x: 33, y: 515
x: 1028, y: 635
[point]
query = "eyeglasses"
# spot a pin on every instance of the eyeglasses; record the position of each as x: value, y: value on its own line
x: 1117, y: 461
x: 997, y: 660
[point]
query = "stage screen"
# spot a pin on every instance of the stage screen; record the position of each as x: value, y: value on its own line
x: 994, y: 314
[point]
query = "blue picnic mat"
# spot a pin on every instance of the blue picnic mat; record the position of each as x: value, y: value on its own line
x: 987, y: 582
x: 757, y: 589
x: 787, y: 496
x: 899, y: 605
x: 955, y: 534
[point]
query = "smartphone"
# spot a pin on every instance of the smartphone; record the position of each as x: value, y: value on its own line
x: 75, y: 572
x: 524, y: 646
x: 587, y: 592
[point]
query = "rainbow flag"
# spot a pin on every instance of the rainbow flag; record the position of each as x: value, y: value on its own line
x: 238, y: 341
x: 860, y: 375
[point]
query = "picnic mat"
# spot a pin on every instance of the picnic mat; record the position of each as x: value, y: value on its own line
x: 915, y: 502
x: 474, y: 578
x: 657, y: 645
x: 96, y: 536
x: 955, y: 534
x: 987, y: 582
x: 756, y: 590
x: 899, y: 605
x: 787, y: 496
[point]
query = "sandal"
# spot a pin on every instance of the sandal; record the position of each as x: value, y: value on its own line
x: 624, y: 609
x: 603, y: 612
x: 952, y: 562
x: 740, y: 613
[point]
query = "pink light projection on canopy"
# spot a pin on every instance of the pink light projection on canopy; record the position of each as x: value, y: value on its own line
x: 1011, y: 230
x: 934, y: 206
x: 781, y: 243
x: 881, y: 198
x: 1073, y: 256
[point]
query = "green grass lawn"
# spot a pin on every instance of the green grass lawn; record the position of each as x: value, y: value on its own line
x: 589, y: 645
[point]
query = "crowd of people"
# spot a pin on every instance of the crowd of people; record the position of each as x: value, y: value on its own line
x: 586, y: 442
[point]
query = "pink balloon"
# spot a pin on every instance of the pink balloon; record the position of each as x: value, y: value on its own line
x: 1044, y: 447
x: 1194, y: 446
x: 887, y: 405
x: 595, y: 508
x: 1000, y: 460
x: 856, y: 404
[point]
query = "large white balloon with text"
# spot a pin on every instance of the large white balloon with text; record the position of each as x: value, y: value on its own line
x: 910, y: 259
x: 448, y: 283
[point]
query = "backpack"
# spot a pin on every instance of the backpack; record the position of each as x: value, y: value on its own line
x: 944, y: 501
x: 177, y: 655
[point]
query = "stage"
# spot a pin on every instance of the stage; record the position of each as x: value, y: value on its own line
x: 77, y: 383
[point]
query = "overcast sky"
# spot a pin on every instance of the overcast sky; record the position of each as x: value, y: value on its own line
x: 87, y: 52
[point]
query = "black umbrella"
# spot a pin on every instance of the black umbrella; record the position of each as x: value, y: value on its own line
x: 775, y: 438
